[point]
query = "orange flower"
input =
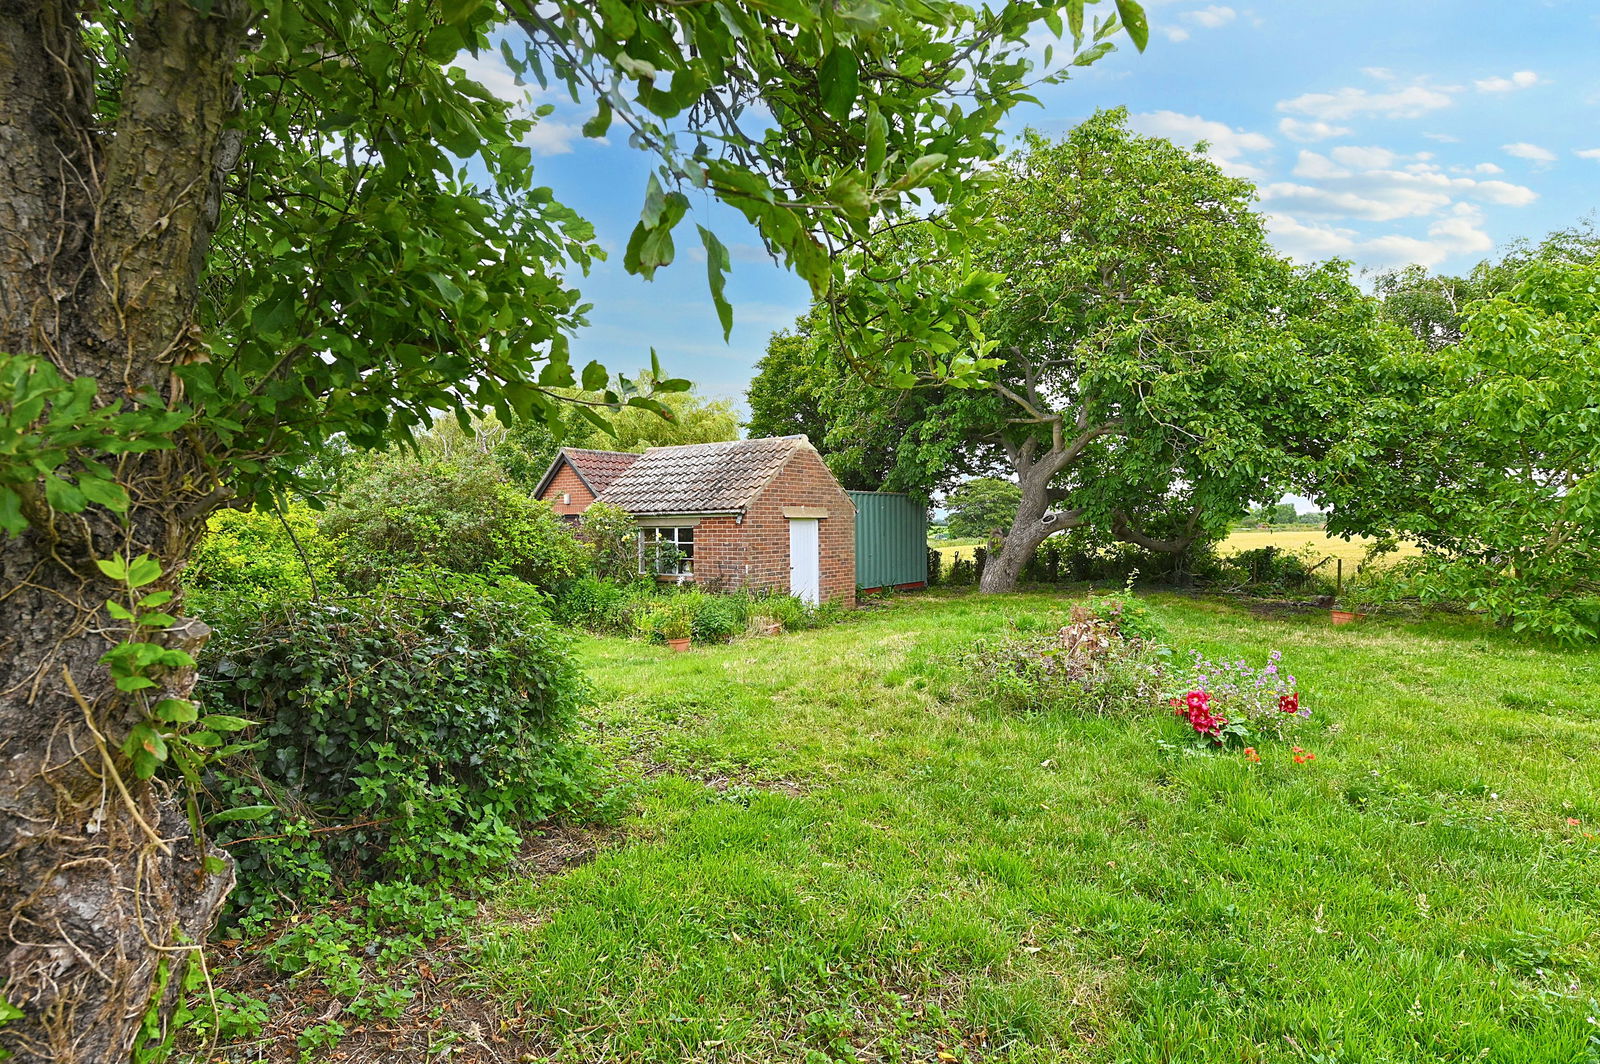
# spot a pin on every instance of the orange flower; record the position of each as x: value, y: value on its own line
x: 1250, y: 754
x: 1573, y: 821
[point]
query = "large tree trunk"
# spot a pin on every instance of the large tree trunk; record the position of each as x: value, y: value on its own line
x: 102, y: 237
x: 1035, y: 522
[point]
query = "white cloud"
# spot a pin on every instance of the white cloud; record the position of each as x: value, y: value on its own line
x: 1522, y: 79
x: 1481, y: 168
x: 1212, y: 17
x: 1175, y: 33
x: 1385, y: 195
x: 548, y: 137
x: 1225, y: 145
x: 1443, y: 138
x: 1503, y: 192
x: 1309, y: 241
x: 1309, y: 132
x: 1364, y: 158
x: 1588, y: 153
x: 1532, y: 152
x: 1457, y: 233
x: 1317, y: 167
x: 1412, y: 101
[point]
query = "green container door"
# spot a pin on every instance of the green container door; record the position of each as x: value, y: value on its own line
x: 891, y: 539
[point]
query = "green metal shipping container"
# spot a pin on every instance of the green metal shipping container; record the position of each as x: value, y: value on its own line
x: 891, y: 539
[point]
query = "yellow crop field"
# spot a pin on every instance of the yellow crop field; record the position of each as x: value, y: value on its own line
x: 1289, y: 539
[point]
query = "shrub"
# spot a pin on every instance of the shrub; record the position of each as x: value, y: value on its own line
x: 1273, y: 570
x: 1129, y: 616
x: 1087, y: 666
x: 407, y: 733
x: 613, y: 539
x: 254, y: 551
x: 717, y: 618
x: 459, y: 514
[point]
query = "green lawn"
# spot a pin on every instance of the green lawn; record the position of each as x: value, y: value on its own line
x: 835, y: 856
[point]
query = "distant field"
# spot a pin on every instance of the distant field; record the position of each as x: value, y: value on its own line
x: 1291, y: 539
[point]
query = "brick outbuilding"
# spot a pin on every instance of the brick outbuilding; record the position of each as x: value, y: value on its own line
x: 758, y: 514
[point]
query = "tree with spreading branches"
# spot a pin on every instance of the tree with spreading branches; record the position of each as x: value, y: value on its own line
x: 1148, y: 368
x: 236, y: 234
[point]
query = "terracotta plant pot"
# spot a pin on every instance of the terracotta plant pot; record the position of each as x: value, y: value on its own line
x: 679, y: 645
x: 1345, y: 617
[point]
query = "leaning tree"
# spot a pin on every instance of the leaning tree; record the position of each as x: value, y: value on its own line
x: 1151, y: 365
x: 233, y: 232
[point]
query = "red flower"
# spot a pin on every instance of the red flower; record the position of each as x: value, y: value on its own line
x: 1301, y: 756
x: 1289, y: 703
x: 1197, y: 699
x: 1251, y: 755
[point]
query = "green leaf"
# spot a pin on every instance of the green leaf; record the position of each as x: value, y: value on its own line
x: 11, y: 519
x: 595, y: 377
x: 143, y: 570
x: 241, y: 812
x: 107, y: 493
x: 839, y: 81
x: 63, y: 496
x: 1135, y: 22
x: 717, y: 266
x: 115, y: 567
x: 221, y: 722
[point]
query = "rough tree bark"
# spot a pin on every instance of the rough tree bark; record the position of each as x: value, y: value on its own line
x: 1037, y: 518
x: 103, y: 232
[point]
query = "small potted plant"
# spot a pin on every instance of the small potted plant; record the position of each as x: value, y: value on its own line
x: 673, y: 624
x: 1352, y: 604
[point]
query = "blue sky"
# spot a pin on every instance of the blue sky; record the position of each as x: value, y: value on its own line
x: 1428, y: 131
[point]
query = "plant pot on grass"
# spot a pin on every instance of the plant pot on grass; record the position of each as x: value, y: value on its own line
x: 674, y: 627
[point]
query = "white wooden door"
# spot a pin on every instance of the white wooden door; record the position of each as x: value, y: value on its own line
x: 805, y: 560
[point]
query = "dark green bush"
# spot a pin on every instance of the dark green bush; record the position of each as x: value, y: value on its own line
x: 404, y: 734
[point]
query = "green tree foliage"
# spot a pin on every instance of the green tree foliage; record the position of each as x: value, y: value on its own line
x: 982, y: 506
x: 1154, y: 366
x: 265, y: 554
x: 525, y: 448
x: 1487, y: 451
x: 460, y: 514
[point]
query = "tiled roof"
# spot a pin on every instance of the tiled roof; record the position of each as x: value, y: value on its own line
x: 598, y: 468
x: 700, y: 477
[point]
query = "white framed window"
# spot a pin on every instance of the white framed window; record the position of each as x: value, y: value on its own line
x: 667, y: 550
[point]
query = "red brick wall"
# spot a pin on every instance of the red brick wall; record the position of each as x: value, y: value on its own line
x: 566, y: 480
x: 755, y: 554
